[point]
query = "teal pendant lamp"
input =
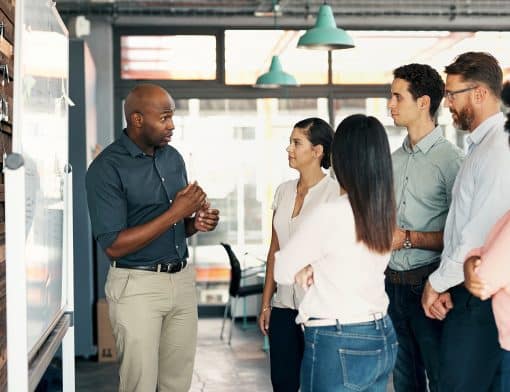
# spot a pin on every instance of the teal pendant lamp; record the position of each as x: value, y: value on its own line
x: 325, y: 34
x: 275, y: 77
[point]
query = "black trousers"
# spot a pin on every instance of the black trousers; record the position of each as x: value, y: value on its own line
x: 419, y: 339
x: 286, y: 346
x: 470, y: 357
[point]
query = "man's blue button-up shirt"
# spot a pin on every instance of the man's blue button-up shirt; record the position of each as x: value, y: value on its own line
x: 126, y: 188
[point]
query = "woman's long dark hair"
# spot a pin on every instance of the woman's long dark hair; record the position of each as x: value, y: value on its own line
x: 362, y: 163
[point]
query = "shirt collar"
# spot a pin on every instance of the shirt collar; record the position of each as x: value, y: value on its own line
x: 483, y: 129
x: 323, y: 180
x: 130, y: 145
x: 425, y: 144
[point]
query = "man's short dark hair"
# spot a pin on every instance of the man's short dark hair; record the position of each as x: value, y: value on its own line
x: 478, y: 67
x: 423, y: 80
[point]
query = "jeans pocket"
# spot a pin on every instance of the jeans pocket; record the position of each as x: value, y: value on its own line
x: 360, y: 368
x: 116, y: 285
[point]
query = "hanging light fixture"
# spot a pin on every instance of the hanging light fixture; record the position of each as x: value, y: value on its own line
x: 325, y: 34
x: 275, y: 77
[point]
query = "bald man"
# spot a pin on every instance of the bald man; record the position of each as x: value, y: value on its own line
x: 142, y: 209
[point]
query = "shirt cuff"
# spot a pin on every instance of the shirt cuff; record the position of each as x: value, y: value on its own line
x: 450, y: 273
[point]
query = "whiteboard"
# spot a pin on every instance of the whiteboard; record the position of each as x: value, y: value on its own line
x: 41, y: 137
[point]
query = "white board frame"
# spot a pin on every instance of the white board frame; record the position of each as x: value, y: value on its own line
x: 24, y: 368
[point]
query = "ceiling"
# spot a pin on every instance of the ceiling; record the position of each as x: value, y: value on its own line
x: 409, y: 14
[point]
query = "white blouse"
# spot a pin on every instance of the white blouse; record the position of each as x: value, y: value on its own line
x: 289, y: 296
x: 348, y: 277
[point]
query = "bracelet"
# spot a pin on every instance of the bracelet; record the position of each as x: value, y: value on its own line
x: 265, y: 308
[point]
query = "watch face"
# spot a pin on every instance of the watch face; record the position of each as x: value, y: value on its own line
x: 407, y: 244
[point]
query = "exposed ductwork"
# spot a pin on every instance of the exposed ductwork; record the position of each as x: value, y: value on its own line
x: 291, y: 8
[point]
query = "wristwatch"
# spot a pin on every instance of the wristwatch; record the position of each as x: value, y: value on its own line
x: 407, y: 242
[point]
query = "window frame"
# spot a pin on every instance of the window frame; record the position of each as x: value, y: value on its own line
x: 217, y: 88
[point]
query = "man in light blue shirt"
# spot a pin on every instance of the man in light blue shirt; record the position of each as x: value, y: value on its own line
x: 424, y: 170
x: 470, y: 358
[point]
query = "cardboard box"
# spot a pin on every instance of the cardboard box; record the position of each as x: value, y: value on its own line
x: 105, y: 341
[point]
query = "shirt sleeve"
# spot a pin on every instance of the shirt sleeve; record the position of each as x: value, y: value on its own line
x: 276, y: 199
x: 484, y: 206
x: 304, y: 247
x: 106, y: 201
x: 450, y: 273
x: 450, y: 174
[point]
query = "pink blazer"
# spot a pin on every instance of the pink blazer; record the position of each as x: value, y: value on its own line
x: 495, y: 270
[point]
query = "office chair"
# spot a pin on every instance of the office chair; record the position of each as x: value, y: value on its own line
x: 236, y: 290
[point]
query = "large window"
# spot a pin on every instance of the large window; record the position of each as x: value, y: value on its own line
x: 248, y: 55
x: 175, y: 57
x: 378, y: 53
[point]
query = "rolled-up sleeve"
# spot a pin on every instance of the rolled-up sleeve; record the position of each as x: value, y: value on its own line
x: 106, y: 201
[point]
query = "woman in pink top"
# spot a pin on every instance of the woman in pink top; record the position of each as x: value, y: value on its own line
x: 487, y: 274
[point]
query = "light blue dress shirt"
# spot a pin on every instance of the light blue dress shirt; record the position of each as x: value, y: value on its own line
x: 424, y: 177
x: 480, y: 196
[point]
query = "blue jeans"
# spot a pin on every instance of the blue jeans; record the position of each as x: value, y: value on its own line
x: 505, y: 372
x: 419, y: 339
x: 350, y: 357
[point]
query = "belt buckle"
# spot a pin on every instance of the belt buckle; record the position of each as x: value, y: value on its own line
x: 174, y: 267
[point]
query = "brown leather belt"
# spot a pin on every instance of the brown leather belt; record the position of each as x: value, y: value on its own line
x: 411, y: 277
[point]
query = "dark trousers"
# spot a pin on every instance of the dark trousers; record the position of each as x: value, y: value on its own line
x: 505, y: 372
x: 470, y: 358
x: 286, y: 346
x: 418, y: 337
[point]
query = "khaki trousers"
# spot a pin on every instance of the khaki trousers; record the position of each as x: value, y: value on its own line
x: 154, y: 320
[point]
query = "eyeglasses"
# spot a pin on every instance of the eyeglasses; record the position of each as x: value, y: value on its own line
x: 450, y: 95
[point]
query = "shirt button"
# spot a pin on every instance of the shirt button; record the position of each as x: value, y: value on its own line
x: 404, y: 202
x: 177, y: 246
x: 171, y: 201
x: 163, y: 179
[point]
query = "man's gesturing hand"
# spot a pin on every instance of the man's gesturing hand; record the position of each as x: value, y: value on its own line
x: 207, y: 218
x: 189, y: 200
